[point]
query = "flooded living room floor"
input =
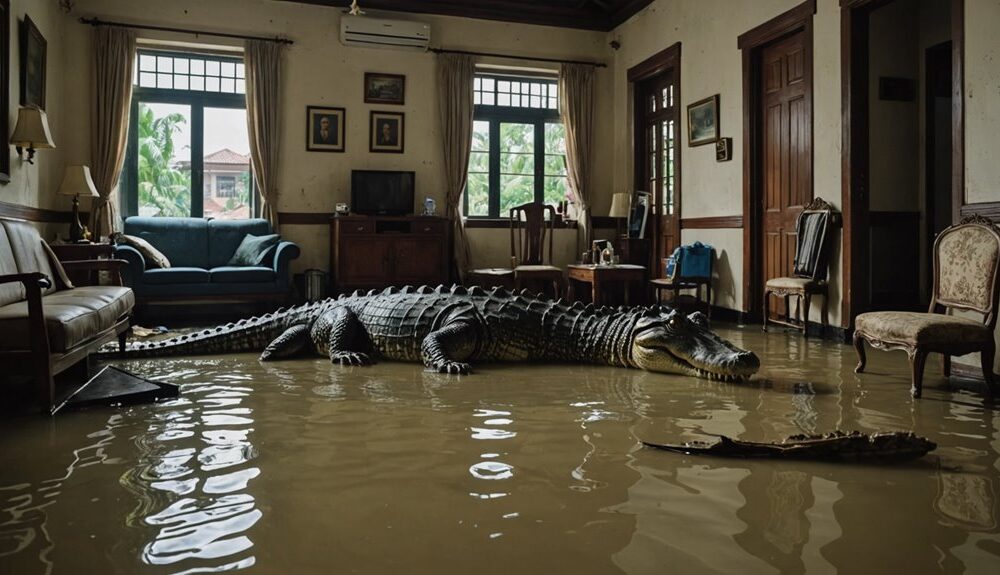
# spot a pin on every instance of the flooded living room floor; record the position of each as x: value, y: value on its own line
x: 304, y: 467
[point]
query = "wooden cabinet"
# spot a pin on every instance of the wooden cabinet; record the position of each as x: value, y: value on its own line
x: 376, y: 252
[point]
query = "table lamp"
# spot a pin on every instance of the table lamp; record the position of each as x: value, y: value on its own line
x: 31, y: 132
x: 77, y: 181
x: 619, y: 209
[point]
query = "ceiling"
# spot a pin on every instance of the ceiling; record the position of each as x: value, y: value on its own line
x: 584, y: 14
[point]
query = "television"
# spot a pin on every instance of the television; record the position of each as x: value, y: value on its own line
x: 382, y: 193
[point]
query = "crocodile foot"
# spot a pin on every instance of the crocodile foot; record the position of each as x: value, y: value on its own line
x: 453, y: 367
x: 350, y: 358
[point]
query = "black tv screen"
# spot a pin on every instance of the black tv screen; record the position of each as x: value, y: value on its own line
x: 381, y: 193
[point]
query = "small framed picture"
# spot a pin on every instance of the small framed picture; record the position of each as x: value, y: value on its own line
x: 386, y: 132
x: 723, y: 149
x: 703, y: 121
x: 33, y: 49
x: 324, y: 129
x: 385, y: 88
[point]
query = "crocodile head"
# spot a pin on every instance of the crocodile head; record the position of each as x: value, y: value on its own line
x: 670, y: 342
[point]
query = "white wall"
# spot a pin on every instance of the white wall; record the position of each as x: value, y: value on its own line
x: 982, y: 97
x: 711, y: 63
x: 319, y: 71
x: 35, y: 185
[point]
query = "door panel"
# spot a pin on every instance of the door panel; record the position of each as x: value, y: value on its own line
x: 787, y: 154
x: 657, y: 159
x: 369, y: 264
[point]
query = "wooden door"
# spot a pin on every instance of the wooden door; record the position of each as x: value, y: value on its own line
x: 786, y: 158
x: 657, y: 159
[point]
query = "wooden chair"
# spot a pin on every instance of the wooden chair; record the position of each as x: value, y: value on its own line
x: 966, y: 259
x: 528, y: 246
x: 809, y: 269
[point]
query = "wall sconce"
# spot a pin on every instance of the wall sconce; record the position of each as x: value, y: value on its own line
x: 31, y: 132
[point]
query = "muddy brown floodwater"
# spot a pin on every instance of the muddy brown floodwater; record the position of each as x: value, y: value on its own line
x: 303, y: 467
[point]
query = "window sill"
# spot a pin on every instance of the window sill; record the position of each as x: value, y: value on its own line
x: 504, y: 224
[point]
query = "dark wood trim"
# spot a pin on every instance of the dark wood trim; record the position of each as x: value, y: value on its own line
x: 37, y: 215
x: 656, y: 64
x: 958, y: 108
x: 752, y: 43
x: 323, y: 219
x: 854, y: 31
x: 989, y: 210
x: 969, y: 371
x: 781, y: 25
x: 712, y: 223
x: 581, y: 15
x: 5, y: 47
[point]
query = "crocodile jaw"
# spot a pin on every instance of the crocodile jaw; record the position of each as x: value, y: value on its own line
x: 673, y: 343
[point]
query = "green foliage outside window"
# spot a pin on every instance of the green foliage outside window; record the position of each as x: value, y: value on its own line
x: 160, y: 183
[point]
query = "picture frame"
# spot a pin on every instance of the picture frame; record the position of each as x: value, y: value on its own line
x: 385, y: 88
x: 703, y: 121
x: 325, y: 129
x: 723, y: 149
x: 33, y: 52
x: 638, y: 215
x: 386, y: 132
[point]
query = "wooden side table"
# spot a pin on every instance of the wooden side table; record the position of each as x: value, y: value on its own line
x: 77, y: 252
x: 599, y: 276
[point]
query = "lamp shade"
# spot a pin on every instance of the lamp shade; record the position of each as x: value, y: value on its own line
x: 77, y: 181
x: 619, y: 205
x: 32, y: 129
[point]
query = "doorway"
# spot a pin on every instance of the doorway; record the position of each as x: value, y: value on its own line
x: 656, y: 113
x: 903, y: 156
x: 778, y: 136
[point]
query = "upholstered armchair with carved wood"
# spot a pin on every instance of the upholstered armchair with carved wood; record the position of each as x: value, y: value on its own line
x: 966, y: 257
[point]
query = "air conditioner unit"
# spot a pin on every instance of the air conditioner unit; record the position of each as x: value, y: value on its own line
x: 370, y: 32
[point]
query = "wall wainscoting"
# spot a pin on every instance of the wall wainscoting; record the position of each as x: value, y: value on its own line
x: 37, y: 215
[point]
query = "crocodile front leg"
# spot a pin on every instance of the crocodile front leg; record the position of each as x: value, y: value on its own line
x: 348, y: 342
x: 446, y: 349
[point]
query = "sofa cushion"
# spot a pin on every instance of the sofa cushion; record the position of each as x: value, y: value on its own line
x: 241, y: 274
x: 71, y: 316
x: 224, y: 236
x: 253, y: 250
x: 29, y: 251
x: 183, y: 240
x: 12, y: 292
x: 154, y: 257
x: 175, y: 276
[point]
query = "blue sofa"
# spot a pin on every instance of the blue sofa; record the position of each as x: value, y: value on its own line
x: 198, y: 250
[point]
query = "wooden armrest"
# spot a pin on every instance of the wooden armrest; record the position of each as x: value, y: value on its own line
x: 35, y: 278
x: 108, y: 265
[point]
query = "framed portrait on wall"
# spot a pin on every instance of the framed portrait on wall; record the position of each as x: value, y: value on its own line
x: 33, y: 48
x: 324, y: 129
x: 386, y: 132
x: 703, y: 121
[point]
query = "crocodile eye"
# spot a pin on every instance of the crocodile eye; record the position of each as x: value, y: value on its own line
x: 674, y: 322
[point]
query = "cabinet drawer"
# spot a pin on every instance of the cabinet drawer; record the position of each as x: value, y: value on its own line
x: 435, y: 227
x: 358, y: 227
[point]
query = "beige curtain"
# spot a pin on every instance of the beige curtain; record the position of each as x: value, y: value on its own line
x: 576, y: 107
x: 263, y: 82
x: 114, y: 57
x: 455, y: 75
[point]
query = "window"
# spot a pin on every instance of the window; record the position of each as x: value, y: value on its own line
x: 518, y: 145
x: 188, y: 150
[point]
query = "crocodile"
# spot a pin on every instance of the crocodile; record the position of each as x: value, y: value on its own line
x: 449, y: 328
x: 838, y: 445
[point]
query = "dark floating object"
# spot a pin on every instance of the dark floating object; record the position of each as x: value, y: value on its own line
x: 112, y: 386
x: 894, y: 445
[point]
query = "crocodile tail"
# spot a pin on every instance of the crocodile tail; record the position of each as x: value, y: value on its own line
x: 246, y: 335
